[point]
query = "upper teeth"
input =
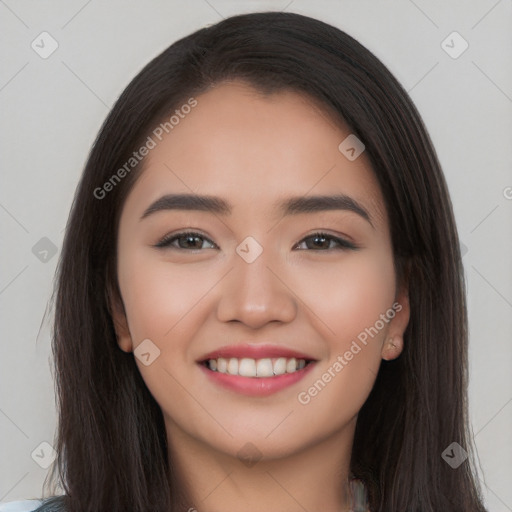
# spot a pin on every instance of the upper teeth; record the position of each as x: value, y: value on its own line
x: 247, y: 367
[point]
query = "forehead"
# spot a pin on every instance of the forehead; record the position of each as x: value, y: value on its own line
x: 253, y: 149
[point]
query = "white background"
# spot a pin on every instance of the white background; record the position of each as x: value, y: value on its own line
x: 52, y: 110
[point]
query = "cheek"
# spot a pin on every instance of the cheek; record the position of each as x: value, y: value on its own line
x: 349, y: 296
x: 349, y: 300
x: 158, y: 294
x: 162, y: 303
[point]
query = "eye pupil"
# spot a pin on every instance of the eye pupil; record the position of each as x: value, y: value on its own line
x: 191, y: 238
x: 316, y: 238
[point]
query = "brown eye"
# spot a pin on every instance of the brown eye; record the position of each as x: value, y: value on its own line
x: 188, y: 240
x: 322, y: 241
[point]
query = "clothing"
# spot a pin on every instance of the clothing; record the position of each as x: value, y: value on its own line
x: 20, y: 506
x: 359, y: 494
x: 357, y: 488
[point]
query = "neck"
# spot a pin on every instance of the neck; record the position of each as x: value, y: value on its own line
x: 314, y: 478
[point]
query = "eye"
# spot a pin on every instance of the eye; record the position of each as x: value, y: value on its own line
x: 319, y: 242
x: 192, y: 241
x: 186, y: 240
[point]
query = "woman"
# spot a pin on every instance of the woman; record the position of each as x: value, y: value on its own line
x: 313, y: 354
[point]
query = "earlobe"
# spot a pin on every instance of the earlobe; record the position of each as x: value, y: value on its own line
x: 392, y: 348
x: 394, y: 343
x: 117, y: 312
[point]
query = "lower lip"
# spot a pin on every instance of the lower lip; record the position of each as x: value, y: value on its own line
x: 256, y: 386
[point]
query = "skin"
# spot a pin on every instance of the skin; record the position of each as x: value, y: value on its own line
x: 253, y: 150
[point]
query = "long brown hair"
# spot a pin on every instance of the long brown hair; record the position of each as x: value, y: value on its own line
x: 111, y: 441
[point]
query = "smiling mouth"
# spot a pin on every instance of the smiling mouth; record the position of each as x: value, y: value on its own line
x: 254, y: 368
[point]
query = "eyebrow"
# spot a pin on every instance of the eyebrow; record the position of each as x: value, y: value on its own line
x: 290, y: 206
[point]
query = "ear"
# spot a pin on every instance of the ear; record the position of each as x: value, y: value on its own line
x: 394, y: 343
x: 117, y: 312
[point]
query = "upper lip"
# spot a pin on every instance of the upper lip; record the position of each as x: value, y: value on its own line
x: 255, y: 351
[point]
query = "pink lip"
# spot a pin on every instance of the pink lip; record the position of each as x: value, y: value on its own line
x: 255, y: 351
x: 256, y: 386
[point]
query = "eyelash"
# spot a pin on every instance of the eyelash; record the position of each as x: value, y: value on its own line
x: 167, y: 240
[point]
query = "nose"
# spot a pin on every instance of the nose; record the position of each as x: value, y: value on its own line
x: 256, y: 293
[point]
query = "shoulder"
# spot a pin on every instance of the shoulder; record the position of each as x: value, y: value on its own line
x: 20, y: 506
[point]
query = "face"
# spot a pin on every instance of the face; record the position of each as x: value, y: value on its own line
x: 259, y: 280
